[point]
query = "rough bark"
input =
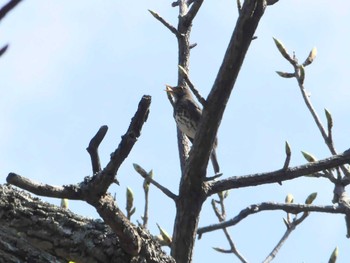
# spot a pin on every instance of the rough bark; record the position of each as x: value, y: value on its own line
x: 35, y: 231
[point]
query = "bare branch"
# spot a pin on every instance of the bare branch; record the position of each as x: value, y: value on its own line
x: 280, y: 243
x: 277, y: 176
x: 165, y: 190
x: 191, y: 14
x: 221, y: 215
x: 106, y: 177
x: 3, y: 50
x: 165, y: 23
x: 289, y: 208
x: 68, y: 191
x: 192, y: 193
x: 252, y: 11
x: 191, y: 86
x: 93, y: 148
x: 8, y: 7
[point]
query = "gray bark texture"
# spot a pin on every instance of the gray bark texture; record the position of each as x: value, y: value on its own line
x: 35, y: 231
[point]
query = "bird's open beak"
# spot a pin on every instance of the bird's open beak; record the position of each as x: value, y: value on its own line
x: 169, y: 89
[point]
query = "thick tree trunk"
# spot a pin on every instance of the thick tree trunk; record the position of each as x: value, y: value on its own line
x: 35, y: 231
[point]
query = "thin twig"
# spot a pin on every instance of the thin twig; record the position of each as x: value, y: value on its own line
x: 93, y: 148
x: 146, y: 186
x: 191, y: 86
x: 145, y: 213
x: 275, y: 250
x: 165, y: 190
x: 326, y: 138
x: 221, y: 215
x: 165, y: 23
x: 291, y: 227
x: 3, y: 49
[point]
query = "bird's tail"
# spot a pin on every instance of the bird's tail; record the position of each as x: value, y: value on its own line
x: 214, y: 161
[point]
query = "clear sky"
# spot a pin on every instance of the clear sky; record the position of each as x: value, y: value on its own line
x: 73, y: 66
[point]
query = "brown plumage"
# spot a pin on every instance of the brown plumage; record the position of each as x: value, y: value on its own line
x: 187, y: 115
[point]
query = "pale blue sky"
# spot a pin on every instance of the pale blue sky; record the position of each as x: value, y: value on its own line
x: 73, y: 66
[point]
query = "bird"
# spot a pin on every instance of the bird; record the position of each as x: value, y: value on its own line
x: 187, y: 115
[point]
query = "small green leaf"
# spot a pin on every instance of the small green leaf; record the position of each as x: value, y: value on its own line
x: 289, y: 199
x: 334, y: 256
x: 310, y: 198
x: 310, y: 158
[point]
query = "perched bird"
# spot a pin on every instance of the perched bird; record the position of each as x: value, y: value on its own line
x: 187, y: 115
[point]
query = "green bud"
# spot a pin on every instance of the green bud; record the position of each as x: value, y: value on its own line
x: 139, y: 169
x: 165, y: 236
x: 283, y: 50
x: 64, y: 203
x: 311, y: 57
x: 287, y: 148
x: 129, y: 199
x: 329, y: 118
x: 310, y: 198
x: 146, y: 183
x: 334, y: 256
x: 310, y: 158
x: 289, y: 199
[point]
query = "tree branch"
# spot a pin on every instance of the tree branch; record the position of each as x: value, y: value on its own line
x: 277, y: 176
x: 8, y: 7
x: 192, y: 87
x: 72, y: 192
x: 93, y: 148
x: 106, y: 177
x: 3, y: 49
x: 289, y: 208
x: 165, y: 23
x: 191, y: 14
x: 192, y: 193
x: 94, y: 189
x: 251, y: 13
x: 149, y: 179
